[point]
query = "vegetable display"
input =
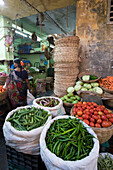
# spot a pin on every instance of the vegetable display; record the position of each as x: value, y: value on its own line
x: 69, y: 139
x: 2, y: 89
x: 70, y: 98
x: 48, y: 102
x: 89, y: 77
x: 92, y: 114
x: 28, y: 118
x: 105, y: 163
x: 88, y: 87
x: 107, y: 82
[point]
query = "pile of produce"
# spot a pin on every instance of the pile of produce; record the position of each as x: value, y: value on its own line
x: 92, y: 114
x: 89, y: 77
x: 94, y: 87
x: 28, y: 118
x: 48, y: 102
x: 2, y: 74
x: 69, y: 139
x: 2, y: 89
x: 105, y: 163
x: 70, y: 98
x: 107, y: 82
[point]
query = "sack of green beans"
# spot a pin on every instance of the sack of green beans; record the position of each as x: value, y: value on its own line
x: 68, y: 143
x: 23, y: 126
x: 53, y: 104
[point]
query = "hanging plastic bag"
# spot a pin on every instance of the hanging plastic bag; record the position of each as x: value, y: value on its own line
x: 30, y: 98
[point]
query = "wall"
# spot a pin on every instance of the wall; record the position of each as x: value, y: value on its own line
x: 96, y: 36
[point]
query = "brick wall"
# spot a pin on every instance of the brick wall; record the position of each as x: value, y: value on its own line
x: 96, y: 36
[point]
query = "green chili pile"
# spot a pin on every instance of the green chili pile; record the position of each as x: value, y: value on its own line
x: 69, y: 139
x: 28, y: 118
x: 105, y: 163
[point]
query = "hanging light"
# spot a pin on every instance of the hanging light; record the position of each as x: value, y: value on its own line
x: 1, y: 2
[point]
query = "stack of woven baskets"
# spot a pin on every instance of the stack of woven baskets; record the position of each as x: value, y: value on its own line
x: 66, y: 63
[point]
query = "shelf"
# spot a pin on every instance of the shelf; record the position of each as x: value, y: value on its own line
x: 31, y: 53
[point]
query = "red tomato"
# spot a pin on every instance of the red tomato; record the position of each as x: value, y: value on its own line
x: 111, y: 120
x: 105, y: 123
x: 83, y: 107
x: 100, y: 113
x: 74, y: 113
x: 108, y: 115
x: 109, y: 111
x: 97, y: 125
x: 92, y: 107
x: 79, y: 113
x: 85, y: 116
x: 95, y: 116
x: 86, y: 121
x: 94, y: 104
x: 88, y: 113
x: 106, y: 111
x: 111, y: 115
x: 81, y: 118
x: 74, y: 109
x: 91, y: 110
x: 84, y: 102
x: 104, y: 117
x: 92, y: 119
x: 79, y: 103
x: 98, y: 109
x: 75, y: 104
x: 99, y: 121
x: 91, y: 124
x: 95, y: 113
x: 88, y: 107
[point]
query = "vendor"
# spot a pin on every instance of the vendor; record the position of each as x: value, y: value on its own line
x: 17, y: 84
x: 13, y: 67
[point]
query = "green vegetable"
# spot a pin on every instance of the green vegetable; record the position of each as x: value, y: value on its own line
x: 95, y: 84
x: 98, y: 90
x: 92, y: 77
x: 87, y: 86
x: 28, y: 118
x: 83, y: 89
x: 77, y: 97
x: 68, y: 139
x: 70, y: 94
x: 105, y: 163
x: 76, y: 101
x: 86, y: 77
x: 77, y: 87
x: 70, y: 90
x: 79, y: 82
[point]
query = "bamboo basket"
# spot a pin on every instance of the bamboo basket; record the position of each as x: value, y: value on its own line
x: 63, y: 57
x: 67, y: 39
x: 3, y: 80
x: 89, y: 73
x: 69, y: 73
x: 103, y: 134
x: 107, y: 90
x: 66, y: 65
x: 68, y: 44
x: 69, y: 70
x: 3, y: 95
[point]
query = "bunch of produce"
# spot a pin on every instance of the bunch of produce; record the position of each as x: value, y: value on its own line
x: 105, y: 163
x: 92, y: 114
x: 28, y: 118
x: 107, y: 82
x: 2, y: 89
x: 69, y: 139
x: 89, y: 77
x: 94, y: 87
x: 70, y: 98
x: 48, y: 102
x: 2, y: 74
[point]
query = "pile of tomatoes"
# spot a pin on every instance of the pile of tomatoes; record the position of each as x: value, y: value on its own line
x: 2, y: 89
x: 92, y: 114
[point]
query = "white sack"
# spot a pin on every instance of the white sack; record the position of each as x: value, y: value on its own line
x: 55, y: 111
x: 23, y: 141
x: 30, y: 98
x: 53, y: 162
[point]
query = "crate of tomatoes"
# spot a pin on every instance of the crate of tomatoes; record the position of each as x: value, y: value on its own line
x: 3, y: 93
x: 96, y: 116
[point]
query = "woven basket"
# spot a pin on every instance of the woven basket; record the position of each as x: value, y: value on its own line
x: 107, y: 90
x: 103, y: 134
x: 66, y: 65
x: 70, y: 69
x: 3, y: 95
x: 67, y: 39
x: 65, y: 49
x: 89, y: 73
x: 64, y: 58
x: 69, y: 73
x: 68, y: 44
x: 2, y: 80
x: 91, y: 93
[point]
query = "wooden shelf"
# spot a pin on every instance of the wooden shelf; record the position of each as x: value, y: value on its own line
x: 31, y: 53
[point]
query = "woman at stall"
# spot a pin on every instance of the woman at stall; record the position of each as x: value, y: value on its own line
x: 17, y: 84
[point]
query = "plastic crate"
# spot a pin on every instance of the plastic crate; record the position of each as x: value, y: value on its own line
x: 20, y: 161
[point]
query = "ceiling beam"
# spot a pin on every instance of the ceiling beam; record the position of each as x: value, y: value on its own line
x: 46, y: 14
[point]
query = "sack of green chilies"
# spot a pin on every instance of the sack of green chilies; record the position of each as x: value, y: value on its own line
x: 57, y: 142
x: 23, y: 126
